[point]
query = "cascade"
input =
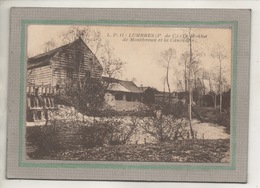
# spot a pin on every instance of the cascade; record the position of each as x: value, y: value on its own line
x: 40, y: 101
x: 45, y: 102
x: 33, y: 102
x: 49, y: 101
x: 28, y: 102
x: 52, y: 102
x: 37, y: 102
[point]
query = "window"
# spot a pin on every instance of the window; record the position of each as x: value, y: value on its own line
x: 135, y: 97
x: 119, y: 96
x: 128, y: 97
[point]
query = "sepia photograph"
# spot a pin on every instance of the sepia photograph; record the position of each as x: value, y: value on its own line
x: 124, y: 93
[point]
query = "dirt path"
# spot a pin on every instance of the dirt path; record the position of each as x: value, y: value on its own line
x: 210, y: 131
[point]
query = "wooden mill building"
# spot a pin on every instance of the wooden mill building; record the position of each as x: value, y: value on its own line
x: 70, y: 61
x: 48, y: 72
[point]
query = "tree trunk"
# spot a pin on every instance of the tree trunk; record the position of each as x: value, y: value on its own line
x: 167, y: 81
x: 220, y: 103
x: 164, y: 90
x: 190, y: 113
x: 215, y: 101
x: 190, y: 92
x: 185, y: 79
x: 220, y: 87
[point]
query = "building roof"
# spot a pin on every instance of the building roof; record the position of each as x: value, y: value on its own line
x: 44, y: 58
x: 148, y: 88
x: 142, y: 88
x: 122, y: 85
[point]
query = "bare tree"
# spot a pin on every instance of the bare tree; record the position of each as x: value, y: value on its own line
x: 213, y: 77
x: 193, y: 57
x: 190, y: 83
x: 213, y: 83
x: 219, y: 53
x: 49, y: 45
x: 199, y: 87
x: 189, y: 61
x: 167, y: 60
x: 166, y: 128
x: 90, y: 36
x: 180, y: 79
x: 184, y: 61
x: 112, y: 66
x: 163, y: 81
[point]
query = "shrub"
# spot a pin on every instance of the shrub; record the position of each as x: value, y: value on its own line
x: 166, y: 128
x: 140, y: 111
x: 85, y: 95
x: 123, y: 132
x: 98, y: 133
x: 211, y: 115
x: 178, y: 109
x: 94, y: 135
x: 224, y: 120
x: 112, y: 131
x: 46, y: 139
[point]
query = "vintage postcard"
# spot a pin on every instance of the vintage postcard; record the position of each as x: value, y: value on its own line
x: 128, y: 93
x: 150, y: 99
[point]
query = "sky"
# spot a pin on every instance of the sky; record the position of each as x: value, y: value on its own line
x: 141, y: 47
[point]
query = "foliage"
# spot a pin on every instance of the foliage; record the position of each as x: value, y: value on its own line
x: 125, y: 131
x: 61, y: 135
x: 112, y: 131
x: 47, y: 139
x: 95, y: 135
x: 212, y: 115
x: 224, y: 119
x: 87, y: 95
x: 191, y: 151
x: 177, y: 110
x: 149, y: 96
x: 169, y: 122
x: 166, y: 128
x: 108, y: 112
x: 166, y: 61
